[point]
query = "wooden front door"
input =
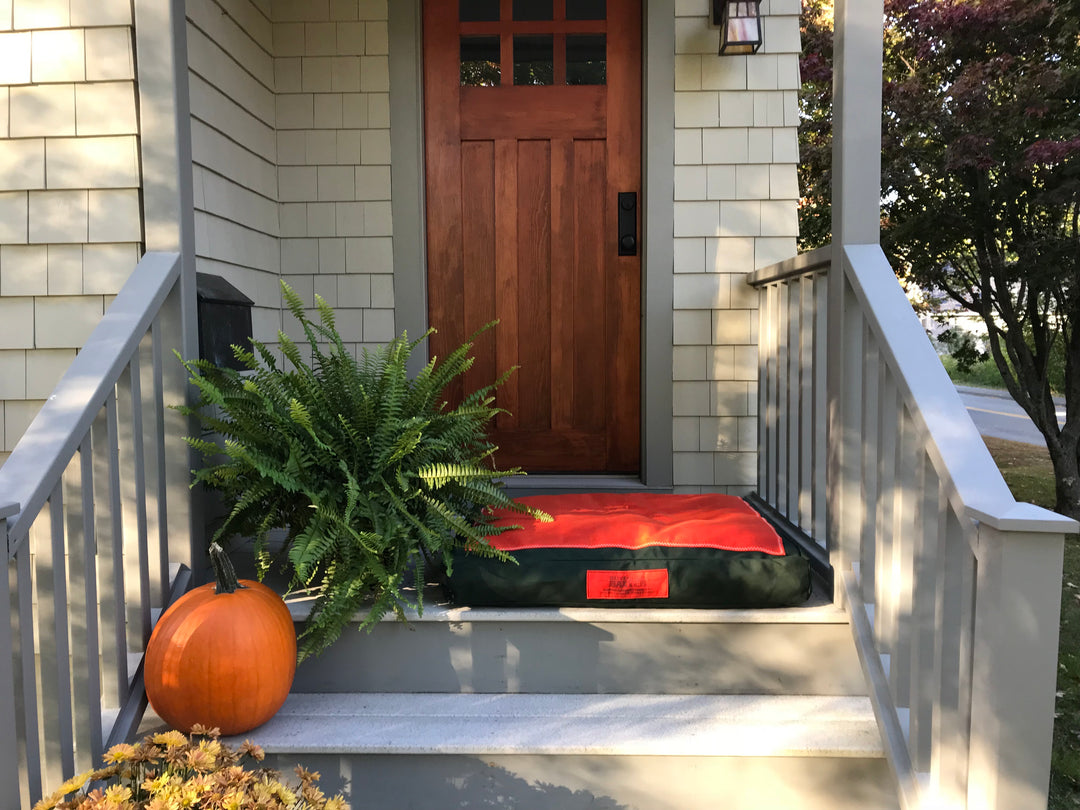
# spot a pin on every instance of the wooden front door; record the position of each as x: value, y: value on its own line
x: 533, y: 129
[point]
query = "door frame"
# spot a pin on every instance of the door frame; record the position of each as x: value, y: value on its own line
x: 658, y: 216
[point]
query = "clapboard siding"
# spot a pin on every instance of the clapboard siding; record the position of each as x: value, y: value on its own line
x: 234, y: 168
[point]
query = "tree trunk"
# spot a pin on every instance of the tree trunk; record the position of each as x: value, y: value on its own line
x: 1063, y: 455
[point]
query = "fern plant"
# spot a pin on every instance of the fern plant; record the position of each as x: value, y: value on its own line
x: 370, y: 472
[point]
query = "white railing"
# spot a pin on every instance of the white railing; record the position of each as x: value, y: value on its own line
x: 953, y: 588
x: 95, y: 497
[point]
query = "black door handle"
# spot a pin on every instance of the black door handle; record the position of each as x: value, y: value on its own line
x: 628, y: 223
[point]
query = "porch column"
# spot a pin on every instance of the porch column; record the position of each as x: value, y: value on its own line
x: 169, y: 225
x: 856, y: 194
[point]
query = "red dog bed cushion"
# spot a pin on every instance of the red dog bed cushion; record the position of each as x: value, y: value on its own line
x: 640, y: 550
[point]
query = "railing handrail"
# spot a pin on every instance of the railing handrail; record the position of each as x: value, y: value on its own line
x: 37, y: 462
x: 957, y: 451
x: 813, y: 261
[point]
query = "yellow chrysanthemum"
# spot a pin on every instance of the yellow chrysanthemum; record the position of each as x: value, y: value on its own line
x: 170, y: 739
x: 120, y: 753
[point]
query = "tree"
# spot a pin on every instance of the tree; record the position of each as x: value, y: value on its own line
x: 981, y: 186
x: 815, y: 124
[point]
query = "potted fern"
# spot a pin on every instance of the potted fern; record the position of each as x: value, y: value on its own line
x: 369, y: 471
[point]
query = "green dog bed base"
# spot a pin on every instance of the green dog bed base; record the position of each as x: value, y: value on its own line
x: 645, y: 550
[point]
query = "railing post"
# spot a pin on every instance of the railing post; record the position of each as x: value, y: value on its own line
x: 1017, y: 610
x: 9, y: 749
x: 844, y: 427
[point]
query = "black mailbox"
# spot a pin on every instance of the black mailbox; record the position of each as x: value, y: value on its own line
x: 224, y: 320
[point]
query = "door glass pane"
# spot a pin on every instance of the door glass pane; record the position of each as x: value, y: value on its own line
x: 534, y: 59
x: 586, y: 9
x: 480, y: 62
x: 586, y: 59
x: 478, y: 10
x: 534, y: 9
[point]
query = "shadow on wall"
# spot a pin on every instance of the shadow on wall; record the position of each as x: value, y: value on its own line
x: 419, y: 782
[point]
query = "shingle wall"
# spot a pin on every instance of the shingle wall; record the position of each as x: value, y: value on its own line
x: 290, y: 136
x: 231, y: 74
x: 736, y: 191
x: 70, y: 220
x: 331, y: 68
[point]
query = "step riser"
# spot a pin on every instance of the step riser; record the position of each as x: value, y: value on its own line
x: 438, y: 782
x: 583, y: 657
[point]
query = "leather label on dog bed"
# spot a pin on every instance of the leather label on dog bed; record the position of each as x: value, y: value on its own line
x: 651, y: 583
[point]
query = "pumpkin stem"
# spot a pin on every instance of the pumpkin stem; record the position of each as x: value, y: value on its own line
x: 224, y: 572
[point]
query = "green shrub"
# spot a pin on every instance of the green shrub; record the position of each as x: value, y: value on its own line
x: 370, y: 472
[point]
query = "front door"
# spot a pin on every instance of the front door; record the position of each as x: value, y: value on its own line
x: 533, y: 129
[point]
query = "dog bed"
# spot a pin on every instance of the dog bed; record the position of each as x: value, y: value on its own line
x: 642, y: 550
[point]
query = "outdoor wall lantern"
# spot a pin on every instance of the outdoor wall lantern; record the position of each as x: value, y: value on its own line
x: 739, y: 22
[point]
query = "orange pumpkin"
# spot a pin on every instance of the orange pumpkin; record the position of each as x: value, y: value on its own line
x: 223, y: 655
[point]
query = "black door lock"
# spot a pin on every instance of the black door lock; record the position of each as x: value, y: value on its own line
x: 628, y: 223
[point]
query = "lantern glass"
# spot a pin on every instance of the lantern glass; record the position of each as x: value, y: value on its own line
x: 740, y: 26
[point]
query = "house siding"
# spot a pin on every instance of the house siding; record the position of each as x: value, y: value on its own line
x: 736, y: 191
x: 70, y: 219
x: 291, y: 150
x: 331, y: 67
x: 234, y: 171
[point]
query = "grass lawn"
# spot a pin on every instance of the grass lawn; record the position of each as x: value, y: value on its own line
x: 1027, y: 471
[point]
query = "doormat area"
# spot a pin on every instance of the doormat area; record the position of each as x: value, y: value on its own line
x: 643, y: 550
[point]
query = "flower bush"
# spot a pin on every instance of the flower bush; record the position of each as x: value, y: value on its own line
x: 171, y: 771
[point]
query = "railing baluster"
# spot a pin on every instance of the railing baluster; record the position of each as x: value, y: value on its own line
x: 821, y: 348
x: 27, y: 675
x: 133, y: 487
x: 55, y: 669
x: 965, y: 583
x: 884, y: 596
x: 138, y: 457
x: 782, y: 412
x: 9, y: 726
x: 805, y: 434
x: 794, y: 390
x: 76, y: 609
x: 762, y: 392
x: 161, y: 496
x: 90, y: 654
x: 846, y: 433
x: 925, y: 560
x: 123, y: 681
x: 769, y: 415
x: 903, y: 557
x: 871, y: 446
x: 948, y: 766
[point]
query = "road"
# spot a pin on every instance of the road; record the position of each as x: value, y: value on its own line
x: 996, y: 414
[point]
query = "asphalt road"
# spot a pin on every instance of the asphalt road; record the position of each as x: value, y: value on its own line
x: 996, y: 414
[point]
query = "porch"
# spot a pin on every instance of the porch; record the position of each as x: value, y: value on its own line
x: 945, y: 592
x: 923, y: 674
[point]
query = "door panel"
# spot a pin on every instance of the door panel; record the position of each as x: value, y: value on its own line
x: 522, y: 184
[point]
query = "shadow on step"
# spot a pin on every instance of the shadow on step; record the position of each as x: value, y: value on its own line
x: 429, y: 782
x: 433, y: 782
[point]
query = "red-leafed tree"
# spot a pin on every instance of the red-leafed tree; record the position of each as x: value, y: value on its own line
x: 981, y: 185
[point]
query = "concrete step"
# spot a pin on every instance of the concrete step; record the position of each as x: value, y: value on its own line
x: 640, y: 752
x: 805, y: 651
